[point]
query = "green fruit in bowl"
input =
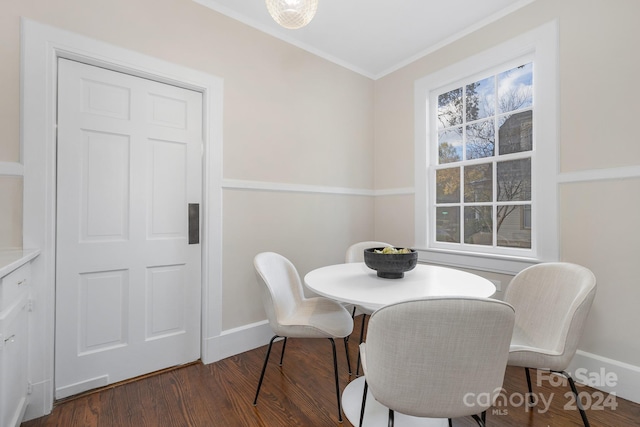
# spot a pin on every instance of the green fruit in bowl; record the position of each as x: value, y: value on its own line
x: 392, y: 250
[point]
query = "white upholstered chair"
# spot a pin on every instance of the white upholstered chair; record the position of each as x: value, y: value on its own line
x: 552, y: 301
x: 292, y: 315
x: 355, y: 253
x: 437, y: 357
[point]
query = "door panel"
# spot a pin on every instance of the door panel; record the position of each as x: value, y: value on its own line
x: 127, y: 282
x: 105, y: 192
x: 102, y: 314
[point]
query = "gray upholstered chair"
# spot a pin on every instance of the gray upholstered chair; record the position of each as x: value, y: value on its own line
x: 552, y: 301
x: 292, y: 315
x: 437, y: 357
x: 355, y: 253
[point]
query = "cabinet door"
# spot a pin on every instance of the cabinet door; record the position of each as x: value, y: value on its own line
x: 13, y: 366
x: 13, y: 285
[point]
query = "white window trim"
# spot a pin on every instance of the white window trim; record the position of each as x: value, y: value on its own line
x: 542, y: 44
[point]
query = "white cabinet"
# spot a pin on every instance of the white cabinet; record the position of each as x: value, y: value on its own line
x: 15, y: 277
x: 14, y: 286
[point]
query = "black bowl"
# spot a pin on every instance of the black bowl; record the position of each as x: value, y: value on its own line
x: 390, y: 266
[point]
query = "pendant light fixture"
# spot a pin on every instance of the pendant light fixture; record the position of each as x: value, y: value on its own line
x: 292, y: 14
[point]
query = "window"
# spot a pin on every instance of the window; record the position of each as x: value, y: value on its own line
x: 486, y: 157
x: 482, y: 169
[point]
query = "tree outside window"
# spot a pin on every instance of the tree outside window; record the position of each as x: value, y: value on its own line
x: 483, y: 173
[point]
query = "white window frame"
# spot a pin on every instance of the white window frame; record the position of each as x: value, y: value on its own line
x: 541, y: 46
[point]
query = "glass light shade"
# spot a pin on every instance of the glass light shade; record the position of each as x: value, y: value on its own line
x: 292, y: 14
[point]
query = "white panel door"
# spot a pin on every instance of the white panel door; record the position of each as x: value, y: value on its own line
x: 128, y: 282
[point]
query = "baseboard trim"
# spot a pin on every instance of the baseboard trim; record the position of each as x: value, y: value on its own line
x: 237, y: 340
x: 40, y: 401
x: 599, y: 371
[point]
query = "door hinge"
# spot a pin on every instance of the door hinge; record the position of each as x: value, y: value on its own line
x: 29, y: 387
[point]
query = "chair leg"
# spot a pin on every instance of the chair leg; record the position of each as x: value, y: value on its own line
x: 364, y: 402
x: 346, y: 352
x: 284, y: 344
x: 335, y: 369
x: 572, y: 384
x: 353, y: 315
x: 264, y: 368
x: 390, y: 417
x: 450, y: 423
x: 531, y: 401
x: 479, y: 420
x: 364, y: 317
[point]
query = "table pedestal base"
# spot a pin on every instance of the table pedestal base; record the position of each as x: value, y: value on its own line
x: 377, y: 415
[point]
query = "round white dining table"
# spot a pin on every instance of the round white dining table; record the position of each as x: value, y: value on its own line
x: 357, y: 284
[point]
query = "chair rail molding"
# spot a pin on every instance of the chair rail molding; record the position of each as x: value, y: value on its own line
x: 239, y: 184
x: 599, y: 174
x: 11, y: 169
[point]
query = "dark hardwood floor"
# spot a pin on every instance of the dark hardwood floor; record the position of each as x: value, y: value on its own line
x: 301, y: 393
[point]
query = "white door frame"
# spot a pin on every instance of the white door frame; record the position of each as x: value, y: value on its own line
x: 42, y: 45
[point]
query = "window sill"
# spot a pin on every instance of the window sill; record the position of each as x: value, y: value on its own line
x: 475, y: 261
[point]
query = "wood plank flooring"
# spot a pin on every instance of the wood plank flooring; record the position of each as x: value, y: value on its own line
x: 300, y: 393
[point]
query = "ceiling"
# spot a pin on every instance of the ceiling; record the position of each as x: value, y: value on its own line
x: 374, y: 37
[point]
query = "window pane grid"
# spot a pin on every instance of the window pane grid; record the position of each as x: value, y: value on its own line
x: 483, y: 168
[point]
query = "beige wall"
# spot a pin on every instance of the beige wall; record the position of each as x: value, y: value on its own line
x: 10, y: 211
x: 289, y: 117
x: 598, y: 108
x: 294, y: 118
x: 311, y: 230
x: 600, y: 229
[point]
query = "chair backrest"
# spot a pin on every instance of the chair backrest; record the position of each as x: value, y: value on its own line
x: 281, y: 287
x: 355, y: 252
x: 439, y: 357
x: 552, y: 301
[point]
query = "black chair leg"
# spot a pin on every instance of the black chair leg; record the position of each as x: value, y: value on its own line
x: 264, y: 368
x: 480, y: 421
x: 346, y: 352
x: 364, y: 317
x: 353, y: 315
x: 284, y: 344
x: 450, y: 423
x: 390, y: 417
x: 572, y: 384
x: 335, y: 369
x: 531, y: 401
x: 364, y: 402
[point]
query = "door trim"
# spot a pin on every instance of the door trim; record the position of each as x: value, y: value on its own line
x: 41, y: 46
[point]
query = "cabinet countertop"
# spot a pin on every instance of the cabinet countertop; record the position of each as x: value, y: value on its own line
x: 10, y: 259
